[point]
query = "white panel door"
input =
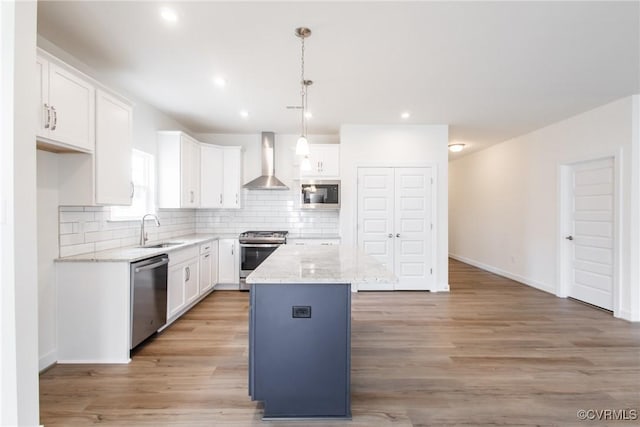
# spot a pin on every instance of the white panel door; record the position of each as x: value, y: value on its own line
x: 412, y: 240
x: 375, y: 217
x: 592, y: 233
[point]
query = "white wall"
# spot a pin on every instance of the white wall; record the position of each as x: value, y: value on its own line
x: 504, y: 200
x: 417, y: 145
x: 286, y: 161
x: 47, y: 199
x: 19, y: 285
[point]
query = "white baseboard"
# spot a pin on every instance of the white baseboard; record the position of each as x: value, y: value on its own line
x: 629, y: 316
x: 500, y: 272
x: 47, y: 360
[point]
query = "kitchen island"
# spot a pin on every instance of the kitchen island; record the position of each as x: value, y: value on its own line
x: 300, y: 329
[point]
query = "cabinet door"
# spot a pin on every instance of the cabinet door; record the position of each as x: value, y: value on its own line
x: 189, y: 172
x: 191, y: 281
x: 113, y: 150
x: 175, y: 290
x: 232, y: 178
x: 211, y: 175
x: 214, y: 263
x: 228, y: 261
x: 72, y: 102
x: 324, y: 160
x: 205, y: 273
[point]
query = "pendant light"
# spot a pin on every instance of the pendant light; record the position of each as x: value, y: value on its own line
x: 302, y: 146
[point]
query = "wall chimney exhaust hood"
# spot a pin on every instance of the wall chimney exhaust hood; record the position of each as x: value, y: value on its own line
x: 267, y: 181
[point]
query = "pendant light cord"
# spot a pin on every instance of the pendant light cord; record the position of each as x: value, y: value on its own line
x: 303, y: 94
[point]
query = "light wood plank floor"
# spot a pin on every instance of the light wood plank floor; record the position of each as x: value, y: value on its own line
x: 490, y: 352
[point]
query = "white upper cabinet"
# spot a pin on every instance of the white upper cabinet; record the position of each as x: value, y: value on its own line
x: 220, y: 169
x: 66, y: 107
x: 325, y: 161
x: 178, y: 170
x: 232, y: 177
x: 113, y: 150
x: 211, y: 176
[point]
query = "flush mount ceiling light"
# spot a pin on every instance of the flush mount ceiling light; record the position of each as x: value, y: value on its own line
x: 405, y: 115
x: 455, y: 148
x: 169, y: 15
x: 302, y: 146
x: 219, y: 81
x: 244, y: 114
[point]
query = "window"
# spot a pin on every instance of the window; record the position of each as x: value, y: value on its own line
x: 143, y: 178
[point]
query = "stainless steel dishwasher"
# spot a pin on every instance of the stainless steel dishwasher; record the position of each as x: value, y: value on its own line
x: 148, y: 297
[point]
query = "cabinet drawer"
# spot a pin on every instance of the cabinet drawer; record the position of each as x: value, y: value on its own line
x: 206, y: 247
x: 177, y: 257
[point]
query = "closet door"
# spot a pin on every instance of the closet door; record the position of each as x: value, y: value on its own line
x: 413, y: 234
x: 375, y: 218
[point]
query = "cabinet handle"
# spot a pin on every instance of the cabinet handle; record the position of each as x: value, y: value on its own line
x: 236, y: 199
x: 188, y: 272
x: 133, y: 190
x: 390, y: 235
x: 321, y: 166
x: 55, y: 118
x: 220, y: 199
x: 191, y: 192
x: 48, y: 118
x: 398, y: 235
x: 232, y: 249
x: 318, y: 166
x: 206, y: 256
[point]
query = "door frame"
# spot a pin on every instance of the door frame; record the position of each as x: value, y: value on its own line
x: 434, y: 208
x: 564, y: 216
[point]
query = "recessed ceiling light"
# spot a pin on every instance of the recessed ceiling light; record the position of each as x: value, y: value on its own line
x: 168, y: 15
x: 455, y: 148
x: 244, y: 114
x: 405, y: 115
x: 219, y: 81
x: 308, y: 114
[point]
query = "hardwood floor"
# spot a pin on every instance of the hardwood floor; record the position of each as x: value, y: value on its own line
x: 490, y: 352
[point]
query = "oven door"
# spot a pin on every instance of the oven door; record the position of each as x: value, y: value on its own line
x: 252, y: 255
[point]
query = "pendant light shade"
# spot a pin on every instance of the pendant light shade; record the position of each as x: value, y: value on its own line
x: 302, y: 146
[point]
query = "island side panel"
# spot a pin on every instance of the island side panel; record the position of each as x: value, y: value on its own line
x: 300, y: 355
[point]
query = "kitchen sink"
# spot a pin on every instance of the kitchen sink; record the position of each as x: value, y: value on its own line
x: 163, y: 245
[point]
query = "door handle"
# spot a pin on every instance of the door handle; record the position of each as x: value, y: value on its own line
x: 398, y: 235
x: 569, y: 237
x: 48, y: 120
x: 55, y: 118
x: 390, y: 235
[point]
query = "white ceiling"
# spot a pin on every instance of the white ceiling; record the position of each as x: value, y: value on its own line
x: 492, y: 70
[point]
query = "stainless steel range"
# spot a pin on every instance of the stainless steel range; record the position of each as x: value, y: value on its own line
x: 255, y: 247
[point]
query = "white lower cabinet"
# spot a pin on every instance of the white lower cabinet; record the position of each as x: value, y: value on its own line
x: 228, y: 262
x: 208, y: 266
x: 191, y: 281
x: 175, y: 290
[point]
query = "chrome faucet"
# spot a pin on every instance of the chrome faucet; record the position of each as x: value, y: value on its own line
x: 143, y: 234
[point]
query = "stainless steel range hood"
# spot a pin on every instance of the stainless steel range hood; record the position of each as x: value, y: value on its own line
x: 267, y: 181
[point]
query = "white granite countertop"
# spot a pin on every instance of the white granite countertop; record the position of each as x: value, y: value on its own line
x: 320, y: 264
x: 135, y: 253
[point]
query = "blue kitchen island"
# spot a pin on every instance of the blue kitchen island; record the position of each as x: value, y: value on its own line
x: 300, y: 329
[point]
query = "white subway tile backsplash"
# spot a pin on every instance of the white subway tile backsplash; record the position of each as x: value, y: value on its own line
x: 89, y: 229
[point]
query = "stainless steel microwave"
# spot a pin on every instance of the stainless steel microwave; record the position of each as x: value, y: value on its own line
x: 316, y: 194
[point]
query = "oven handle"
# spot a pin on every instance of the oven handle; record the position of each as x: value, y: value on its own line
x: 260, y: 245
